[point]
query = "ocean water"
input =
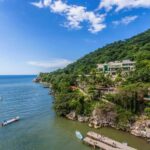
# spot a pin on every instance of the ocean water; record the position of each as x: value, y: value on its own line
x: 39, y: 127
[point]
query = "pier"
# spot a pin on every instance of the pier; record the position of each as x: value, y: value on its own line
x: 104, y: 143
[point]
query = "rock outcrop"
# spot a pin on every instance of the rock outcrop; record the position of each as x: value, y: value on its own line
x: 102, y: 118
x: 107, y: 117
x: 82, y: 118
x: 72, y: 115
x: 141, y: 128
x: 37, y: 80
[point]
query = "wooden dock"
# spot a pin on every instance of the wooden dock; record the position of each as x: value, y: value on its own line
x: 105, y: 143
x: 98, y: 144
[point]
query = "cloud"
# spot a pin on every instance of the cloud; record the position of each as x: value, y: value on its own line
x: 121, y: 4
x: 47, y: 2
x: 75, y: 15
x: 52, y: 64
x: 37, y: 4
x: 41, y: 4
x: 59, y: 7
x: 126, y: 20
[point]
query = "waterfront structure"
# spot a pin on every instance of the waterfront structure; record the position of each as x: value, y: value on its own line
x: 113, y: 67
x: 105, y: 143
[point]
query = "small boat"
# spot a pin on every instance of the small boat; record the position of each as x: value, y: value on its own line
x: 79, y: 135
x: 5, y: 123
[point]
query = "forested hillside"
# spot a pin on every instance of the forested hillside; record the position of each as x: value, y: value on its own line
x: 77, y: 87
x: 127, y: 49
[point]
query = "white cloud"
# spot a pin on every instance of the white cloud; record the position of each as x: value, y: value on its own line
x: 47, y: 2
x: 37, y: 4
x: 52, y: 64
x: 75, y: 15
x: 121, y: 4
x: 126, y: 20
x: 59, y: 7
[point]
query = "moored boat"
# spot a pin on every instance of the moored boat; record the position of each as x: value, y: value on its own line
x: 5, y: 123
x: 79, y: 135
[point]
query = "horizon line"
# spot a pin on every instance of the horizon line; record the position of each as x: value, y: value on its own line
x: 18, y: 74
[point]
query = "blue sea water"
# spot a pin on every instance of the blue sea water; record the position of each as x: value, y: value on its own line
x: 19, y: 96
x: 39, y: 127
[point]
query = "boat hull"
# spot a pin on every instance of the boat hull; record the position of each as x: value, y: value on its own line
x: 79, y: 135
x: 5, y: 123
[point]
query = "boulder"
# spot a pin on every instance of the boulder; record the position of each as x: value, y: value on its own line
x: 141, y: 128
x: 71, y: 115
x: 83, y: 118
x: 148, y: 123
x: 148, y: 135
x: 102, y: 118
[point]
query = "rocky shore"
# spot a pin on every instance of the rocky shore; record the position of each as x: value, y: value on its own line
x: 140, y: 128
x: 107, y: 118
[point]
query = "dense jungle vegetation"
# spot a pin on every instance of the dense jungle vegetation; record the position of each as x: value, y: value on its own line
x: 76, y: 87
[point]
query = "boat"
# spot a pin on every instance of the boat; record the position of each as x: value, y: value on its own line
x: 5, y: 123
x: 79, y: 135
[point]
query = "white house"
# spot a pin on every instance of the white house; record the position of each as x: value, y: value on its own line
x: 113, y: 67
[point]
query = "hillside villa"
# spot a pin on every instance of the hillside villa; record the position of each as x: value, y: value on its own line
x: 112, y: 68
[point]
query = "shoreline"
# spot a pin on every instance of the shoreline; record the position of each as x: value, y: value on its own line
x: 133, y: 130
x: 139, y: 128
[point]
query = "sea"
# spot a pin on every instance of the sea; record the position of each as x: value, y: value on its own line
x: 39, y: 127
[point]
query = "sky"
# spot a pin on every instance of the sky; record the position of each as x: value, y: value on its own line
x: 44, y: 35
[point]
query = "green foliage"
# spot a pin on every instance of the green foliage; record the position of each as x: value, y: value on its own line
x: 105, y: 107
x: 142, y: 72
x: 84, y: 74
x: 88, y: 108
x: 130, y: 96
x: 124, y: 118
x: 147, y: 111
x: 148, y: 104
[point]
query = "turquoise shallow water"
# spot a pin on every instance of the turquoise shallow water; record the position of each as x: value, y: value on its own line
x: 39, y: 127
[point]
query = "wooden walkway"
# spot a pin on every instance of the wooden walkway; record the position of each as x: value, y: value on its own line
x: 98, y: 144
x: 105, y: 143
